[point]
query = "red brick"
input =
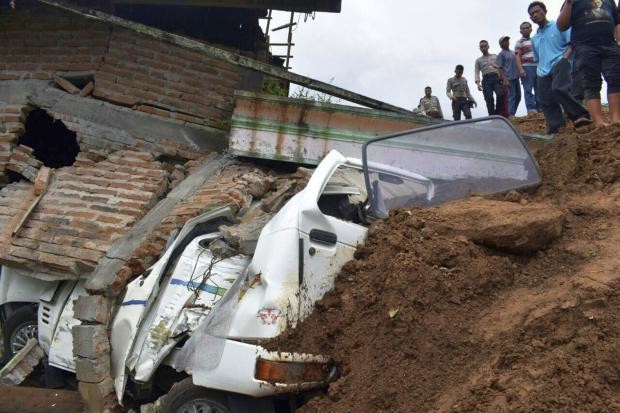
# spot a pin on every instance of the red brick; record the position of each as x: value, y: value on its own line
x: 108, y: 219
x: 187, y: 55
x: 188, y: 118
x: 80, y: 214
x: 21, y: 252
x: 95, y: 199
x: 66, y: 85
x: 23, y: 66
x: 58, y: 262
x: 103, y: 76
x: 177, y: 104
x: 122, y: 100
x: 144, y: 96
x: 109, y: 87
x: 40, y: 75
x: 87, y: 90
x: 154, y: 111
x: 10, y: 118
x: 131, y: 212
x: 182, y: 87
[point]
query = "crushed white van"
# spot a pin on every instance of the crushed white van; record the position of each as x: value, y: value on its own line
x: 204, y: 309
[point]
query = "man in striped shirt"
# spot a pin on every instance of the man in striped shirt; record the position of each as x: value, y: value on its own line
x: 527, y: 65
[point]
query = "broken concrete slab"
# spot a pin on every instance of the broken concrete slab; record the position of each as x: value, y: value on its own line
x: 275, y: 200
x: 304, y: 131
x: 114, y: 126
x: 244, y: 235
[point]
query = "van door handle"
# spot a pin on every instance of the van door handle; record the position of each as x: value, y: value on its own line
x: 323, y: 237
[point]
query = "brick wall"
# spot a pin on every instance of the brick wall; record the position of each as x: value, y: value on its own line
x: 166, y: 80
x: 91, y: 138
x: 85, y: 208
x: 12, y: 119
x: 39, y: 41
x: 129, y: 69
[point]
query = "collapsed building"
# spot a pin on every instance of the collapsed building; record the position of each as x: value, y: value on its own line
x: 114, y: 120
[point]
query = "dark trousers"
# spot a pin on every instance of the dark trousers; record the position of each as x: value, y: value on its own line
x: 514, y: 96
x: 530, y: 89
x: 461, y: 105
x: 491, y: 84
x: 591, y: 61
x: 555, y: 95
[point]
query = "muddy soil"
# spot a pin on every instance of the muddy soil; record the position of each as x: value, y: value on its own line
x: 427, y: 320
x: 36, y: 400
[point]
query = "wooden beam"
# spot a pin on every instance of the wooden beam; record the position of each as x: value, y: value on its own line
x: 230, y: 57
x: 302, y: 6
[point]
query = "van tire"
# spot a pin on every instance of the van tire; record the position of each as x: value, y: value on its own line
x: 185, y: 394
x: 20, y: 324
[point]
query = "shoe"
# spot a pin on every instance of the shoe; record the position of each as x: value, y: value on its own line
x: 583, y: 121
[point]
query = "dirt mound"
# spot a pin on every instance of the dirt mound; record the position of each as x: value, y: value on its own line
x: 533, y: 123
x: 429, y: 318
x: 575, y: 162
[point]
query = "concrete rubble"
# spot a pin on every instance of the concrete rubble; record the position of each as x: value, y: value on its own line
x: 22, y: 364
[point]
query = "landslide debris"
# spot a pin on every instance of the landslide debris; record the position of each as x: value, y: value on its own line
x: 484, y: 305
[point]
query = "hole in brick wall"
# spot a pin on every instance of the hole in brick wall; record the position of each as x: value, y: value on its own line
x: 53, y: 144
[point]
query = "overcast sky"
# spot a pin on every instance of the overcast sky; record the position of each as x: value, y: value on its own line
x: 391, y: 49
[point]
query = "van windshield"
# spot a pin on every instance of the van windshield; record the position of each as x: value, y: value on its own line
x: 430, y: 166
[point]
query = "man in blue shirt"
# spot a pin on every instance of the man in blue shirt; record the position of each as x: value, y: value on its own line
x: 507, y: 65
x: 552, y: 50
x: 595, y: 25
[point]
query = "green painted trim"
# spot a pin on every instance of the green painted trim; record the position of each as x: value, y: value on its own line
x: 370, y: 113
x: 332, y: 107
x: 292, y: 129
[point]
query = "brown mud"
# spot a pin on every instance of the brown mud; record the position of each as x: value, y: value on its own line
x: 427, y: 318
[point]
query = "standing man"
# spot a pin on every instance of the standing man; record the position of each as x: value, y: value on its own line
x: 595, y: 38
x: 507, y: 66
x: 458, y: 92
x: 552, y: 50
x: 491, y: 81
x: 429, y: 105
x: 527, y: 66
